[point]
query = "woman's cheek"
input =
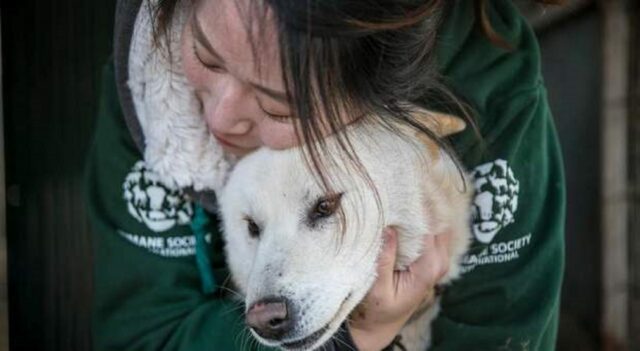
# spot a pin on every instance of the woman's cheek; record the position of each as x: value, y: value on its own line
x: 276, y: 135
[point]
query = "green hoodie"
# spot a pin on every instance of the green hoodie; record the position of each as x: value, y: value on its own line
x: 149, y: 288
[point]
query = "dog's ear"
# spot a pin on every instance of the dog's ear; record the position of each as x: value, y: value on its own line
x: 441, y: 124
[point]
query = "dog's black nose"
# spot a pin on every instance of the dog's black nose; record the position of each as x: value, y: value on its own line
x: 269, y: 318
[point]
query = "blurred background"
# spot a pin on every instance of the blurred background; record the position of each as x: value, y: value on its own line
x: 52, y: 54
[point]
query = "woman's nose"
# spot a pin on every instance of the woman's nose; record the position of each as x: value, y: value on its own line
x: 227, y: 110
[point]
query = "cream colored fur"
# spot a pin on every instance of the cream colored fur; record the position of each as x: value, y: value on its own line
x: 322, y: 270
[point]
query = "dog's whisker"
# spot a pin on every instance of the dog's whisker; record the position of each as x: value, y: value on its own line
x: 337, y: 338
x: 234, y: 292
x: 232, y: 310
x: 246, y: 340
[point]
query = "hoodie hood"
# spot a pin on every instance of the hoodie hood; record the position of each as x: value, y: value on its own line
x: 160, y: 107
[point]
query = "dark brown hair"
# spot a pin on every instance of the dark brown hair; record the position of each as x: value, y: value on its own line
x: 485, y: 26
x: 371, y: 56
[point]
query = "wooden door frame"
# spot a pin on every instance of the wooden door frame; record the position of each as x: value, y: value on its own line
x: 634, y: 178
x: 615, y: 169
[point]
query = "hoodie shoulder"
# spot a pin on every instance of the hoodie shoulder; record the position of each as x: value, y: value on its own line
x: 479, y: 71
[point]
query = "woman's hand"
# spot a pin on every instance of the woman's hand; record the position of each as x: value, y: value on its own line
x: 396, y: 295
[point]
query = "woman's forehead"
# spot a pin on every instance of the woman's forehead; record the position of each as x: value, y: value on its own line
x: 244, y: 34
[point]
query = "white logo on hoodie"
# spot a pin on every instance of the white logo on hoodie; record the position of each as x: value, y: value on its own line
x: 493, y: 208
x: 153, y: 203
x: 496, y: 199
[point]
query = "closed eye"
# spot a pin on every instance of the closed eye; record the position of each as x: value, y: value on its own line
x: 279, y: 118
x: 209, y: 66
x: 200, y: 39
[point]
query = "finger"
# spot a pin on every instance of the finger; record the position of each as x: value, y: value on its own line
x: 432, y: 263
x: 429, y: 249
x: 387, y: 258
x: 443, y: 243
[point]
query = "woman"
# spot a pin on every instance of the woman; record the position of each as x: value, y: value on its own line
x: 295, y: 71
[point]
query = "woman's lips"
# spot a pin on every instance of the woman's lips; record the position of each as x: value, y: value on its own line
x: 226, y: 143
x: 234, y: 149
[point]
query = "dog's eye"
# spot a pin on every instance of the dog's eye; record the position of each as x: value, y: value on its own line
x: 254, y: 230
x: 325, y: 207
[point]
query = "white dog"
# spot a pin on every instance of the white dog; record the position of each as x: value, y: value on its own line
x: 305, y: 258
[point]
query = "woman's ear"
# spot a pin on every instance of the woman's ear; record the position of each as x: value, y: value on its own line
x: 441, y: 124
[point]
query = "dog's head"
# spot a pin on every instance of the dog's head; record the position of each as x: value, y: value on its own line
x: 303, y: 256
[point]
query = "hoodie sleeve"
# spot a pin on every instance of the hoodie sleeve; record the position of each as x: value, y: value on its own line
x: 147, y: 288
x: 508, y: 295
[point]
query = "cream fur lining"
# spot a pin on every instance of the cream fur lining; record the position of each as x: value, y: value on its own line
x: 178, y: 145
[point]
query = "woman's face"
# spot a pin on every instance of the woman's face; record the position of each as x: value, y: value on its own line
x: 243, y: 97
